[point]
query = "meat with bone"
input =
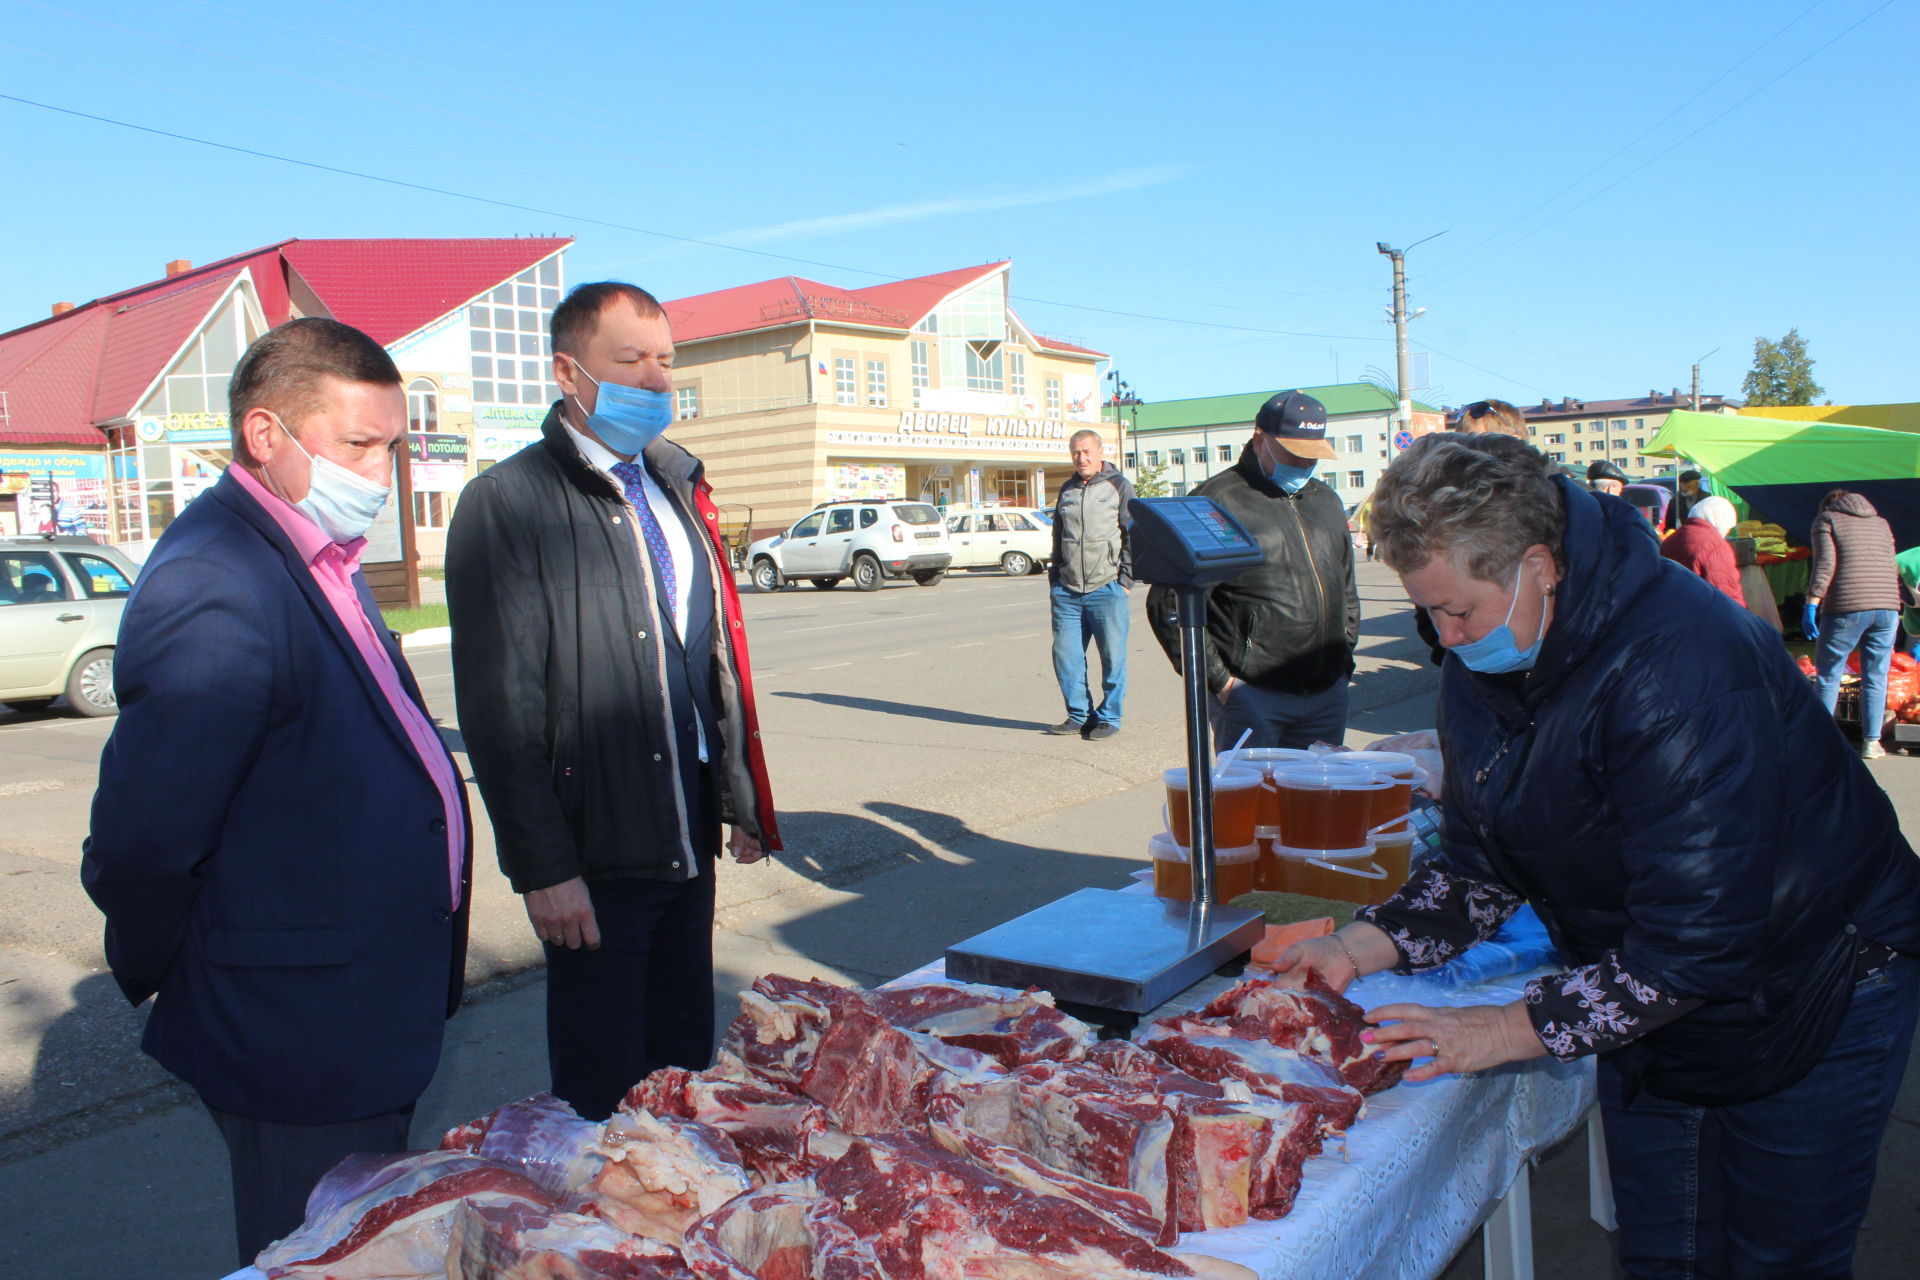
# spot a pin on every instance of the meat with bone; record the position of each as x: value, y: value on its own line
x: 780, y: 1233
x: 541, y: 1136
x: 391, y: 1217
x: 1316, y: 1021
x: 931, y: 1215
x: 830, y: 1044
x: 1212, y: 1052
x: 1014, y: 1027
x: 770, y: 1125
x: 514, y: 1242
x: 662, y: 1173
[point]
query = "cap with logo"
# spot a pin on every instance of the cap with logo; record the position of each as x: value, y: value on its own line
x: 1299, y: 422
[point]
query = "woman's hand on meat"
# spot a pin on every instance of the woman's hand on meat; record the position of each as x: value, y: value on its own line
x: 1337, y: 959
x: 1457, y: 1040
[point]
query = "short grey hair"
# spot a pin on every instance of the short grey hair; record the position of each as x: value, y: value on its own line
x: 1480, y: 500
x: 1087, y: 433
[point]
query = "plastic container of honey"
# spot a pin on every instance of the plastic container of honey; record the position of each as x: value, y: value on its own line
x: 1173, y: 878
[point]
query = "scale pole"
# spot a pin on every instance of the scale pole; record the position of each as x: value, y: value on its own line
x: 1193, y: 667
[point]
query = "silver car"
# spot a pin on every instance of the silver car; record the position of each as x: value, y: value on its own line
x: 60, y: 604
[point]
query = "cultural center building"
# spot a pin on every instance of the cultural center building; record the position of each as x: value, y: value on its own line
x: 796, y: 392
x: 113, y: 413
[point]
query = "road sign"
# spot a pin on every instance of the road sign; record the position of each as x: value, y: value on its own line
x: 1402, y: 440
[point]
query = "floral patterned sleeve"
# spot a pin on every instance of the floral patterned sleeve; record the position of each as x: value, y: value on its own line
x: 1438, y: 914
x: 1597, y: 1007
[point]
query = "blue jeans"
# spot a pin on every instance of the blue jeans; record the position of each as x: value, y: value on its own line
x: 1099, y: 615
x: 1773, y: 1188
x: 1873, y: 632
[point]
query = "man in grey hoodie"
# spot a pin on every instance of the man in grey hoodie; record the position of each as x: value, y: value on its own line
x: 1091, y: 573
x: 1853, y: 601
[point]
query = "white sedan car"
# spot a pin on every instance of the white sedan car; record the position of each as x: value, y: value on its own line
x: 1015, y: 540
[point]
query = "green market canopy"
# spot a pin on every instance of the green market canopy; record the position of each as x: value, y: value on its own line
x: 1781, y: 469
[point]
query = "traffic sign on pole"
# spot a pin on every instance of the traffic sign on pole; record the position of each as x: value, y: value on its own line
x: 1402, y: 440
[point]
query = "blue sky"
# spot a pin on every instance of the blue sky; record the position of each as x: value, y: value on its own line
x: 1194, y: 188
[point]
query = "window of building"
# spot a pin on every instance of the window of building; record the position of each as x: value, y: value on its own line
x: 844, y: 391
x: 1558, y: 457
x: 922, y: 368
x: 1639, y: 424
x: 1177, y: 456
x: 877, y: 384
x: 1556, y: 438
x: 1053, y: 397
x: 1153, y: 457
x: 986, y: 373
x: 507, y: 333
x: 1179, y: 489
x: 1332, y: 479
x: 1619, y: 424
x: 1226, y: 453
x: 929, y: 325
x: 1017, y: 372
x: 1355, y: 444
x: 1600, y: 425
x: 432, y: 510
x: 1132, y: 459
x: 1356, y: 479
x: 1576, y: 446
x: 686, y: 403
x: 423, y: 405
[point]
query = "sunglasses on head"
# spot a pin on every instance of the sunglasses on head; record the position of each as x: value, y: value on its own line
x: 1478, y: 409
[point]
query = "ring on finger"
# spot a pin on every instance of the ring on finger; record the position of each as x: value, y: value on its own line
x: 1436, y: 1047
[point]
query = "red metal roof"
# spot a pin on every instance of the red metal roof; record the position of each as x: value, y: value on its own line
x: 64, y: 374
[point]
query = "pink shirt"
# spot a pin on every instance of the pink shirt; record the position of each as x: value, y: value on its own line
x: 333, y: 567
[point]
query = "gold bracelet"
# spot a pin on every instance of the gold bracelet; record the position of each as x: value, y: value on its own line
x: 1340, y: 942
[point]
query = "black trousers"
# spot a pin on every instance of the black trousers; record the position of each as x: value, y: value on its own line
x: 643, y: 1001
x: 276, y: 1165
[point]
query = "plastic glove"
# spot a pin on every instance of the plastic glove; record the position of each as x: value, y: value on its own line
x: 1809, y: 622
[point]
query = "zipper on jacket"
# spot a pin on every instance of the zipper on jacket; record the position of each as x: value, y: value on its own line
x: 1319, y: 587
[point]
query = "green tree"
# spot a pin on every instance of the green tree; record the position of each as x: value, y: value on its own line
x: 1151, y: 482
x: 1782, y: 373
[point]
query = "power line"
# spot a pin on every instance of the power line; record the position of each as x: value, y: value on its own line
x: 621, y: 226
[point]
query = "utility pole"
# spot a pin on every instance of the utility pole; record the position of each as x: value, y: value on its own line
x: 1696, y: 379
x: 1403, y: 374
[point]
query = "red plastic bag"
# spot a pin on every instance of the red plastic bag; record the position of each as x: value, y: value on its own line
x: 1903, y: 662
x: 1900, y: 689
x: 1853, y: 663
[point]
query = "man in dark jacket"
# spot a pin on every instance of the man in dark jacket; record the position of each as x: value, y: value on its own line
x: 1853, y: 601
x: 605, y: 696
x: 1091, y: 575
x: 279, y: 839
x: 1279, y: 638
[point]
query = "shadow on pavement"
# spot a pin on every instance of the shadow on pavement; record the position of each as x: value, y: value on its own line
x: 913, y: 710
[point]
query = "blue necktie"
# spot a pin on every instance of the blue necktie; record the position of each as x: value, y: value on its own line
x: 630, y: 474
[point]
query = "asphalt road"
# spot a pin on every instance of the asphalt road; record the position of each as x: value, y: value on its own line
x: 920, y: 803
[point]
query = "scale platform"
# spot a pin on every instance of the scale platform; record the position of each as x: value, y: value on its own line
x: 1113, y: 954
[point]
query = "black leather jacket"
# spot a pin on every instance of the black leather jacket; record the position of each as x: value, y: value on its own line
x: 1665, y: 782
x: 1291, y: 624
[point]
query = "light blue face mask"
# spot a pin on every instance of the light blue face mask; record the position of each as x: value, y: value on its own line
x: 627, y: 419
x: 1499, y: 650
x: 342, y: 503
x: 1289, y: 478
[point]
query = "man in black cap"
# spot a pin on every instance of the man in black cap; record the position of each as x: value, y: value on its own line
x: 1279, y: 638
x: 1604, y: 477
x: 1687, y: 491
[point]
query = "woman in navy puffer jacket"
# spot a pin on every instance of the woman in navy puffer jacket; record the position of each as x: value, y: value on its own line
x: 1639, y: 759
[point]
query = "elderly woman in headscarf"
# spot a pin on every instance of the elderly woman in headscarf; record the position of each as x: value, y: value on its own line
x: 1700, y: 546
x: 1739, y: 932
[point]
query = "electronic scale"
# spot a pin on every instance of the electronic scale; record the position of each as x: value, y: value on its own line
x: 1109, y: 956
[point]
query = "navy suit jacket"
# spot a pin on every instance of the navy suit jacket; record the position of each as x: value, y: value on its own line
x: 268, y: 848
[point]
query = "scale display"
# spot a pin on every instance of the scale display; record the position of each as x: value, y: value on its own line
x: 1188, y: 542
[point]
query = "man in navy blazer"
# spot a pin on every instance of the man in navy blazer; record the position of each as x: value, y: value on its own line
x: 280, y: 840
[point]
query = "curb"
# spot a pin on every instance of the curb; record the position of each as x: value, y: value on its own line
x: 426, y: 638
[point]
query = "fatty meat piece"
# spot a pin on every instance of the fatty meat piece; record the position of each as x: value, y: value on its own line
x: 931, y: 1215
x: 780, y: 1233
x: 541, y: 1136
x: 1316, y: 1020
x: 1213, y: 1052
x: 1013, y: 1027
x: 391, y: 1217
x: 770, y: 1126
x: 513, y: 1242
x: 662, y: 1173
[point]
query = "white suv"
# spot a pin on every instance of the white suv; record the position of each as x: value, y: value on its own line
x: 868, y: 541
x: 60, y: 604
x: 1016, y: 540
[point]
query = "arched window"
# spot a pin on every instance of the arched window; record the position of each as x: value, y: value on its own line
x: 423, y: 405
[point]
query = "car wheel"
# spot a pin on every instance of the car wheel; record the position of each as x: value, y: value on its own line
x: 30, y: 704
x: 1016, y: 564
x: 90, y: 684
x: 1039, y: 567
x: 765, y: 577
x: 927, y: 577
x: 866, y: 572
x: 824, y: 584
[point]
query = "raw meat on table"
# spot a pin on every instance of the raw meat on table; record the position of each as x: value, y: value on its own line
x: 780, y: 1233
x: 514, y: 1242
x: 1013, y: 1027
x: 662, y: 1173
x: 541, y: 1136
x: 770, y: 1125
x: 1315, y: 1020
x: 1212, y: 1052
x: 391, y: 1217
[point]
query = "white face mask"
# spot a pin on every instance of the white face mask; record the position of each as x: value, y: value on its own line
x: 342, y: 503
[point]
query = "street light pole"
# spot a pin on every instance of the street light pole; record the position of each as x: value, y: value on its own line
x: 1403, y: 373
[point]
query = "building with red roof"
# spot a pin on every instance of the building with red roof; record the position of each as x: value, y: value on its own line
x: 117, y: 407
x: 796, y: 392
